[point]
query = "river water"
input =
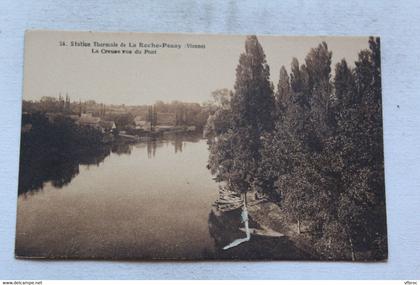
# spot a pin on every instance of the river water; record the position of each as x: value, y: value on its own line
x: 150, y: 200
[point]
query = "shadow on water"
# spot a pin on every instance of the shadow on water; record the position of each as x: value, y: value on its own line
x: 39, y: 166
x: 44, y: 160
x: 224, y: 228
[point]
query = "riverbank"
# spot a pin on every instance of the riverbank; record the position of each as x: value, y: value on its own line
x: 270, y: 215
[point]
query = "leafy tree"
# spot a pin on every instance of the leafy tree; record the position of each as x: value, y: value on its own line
x: 235, y: 152
x: 152, y: 117
x: 219, y: 122
x: 123, y: 121
x: 355, y: 154
x: 283, y: 92
x: 320, y: 154
x: 221, y: 98
x: 318, y: 89
x: 297, y: 141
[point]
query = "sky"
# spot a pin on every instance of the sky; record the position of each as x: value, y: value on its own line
x: 183, y: 74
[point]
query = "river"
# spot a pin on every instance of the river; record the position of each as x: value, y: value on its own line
x: 149, y: 200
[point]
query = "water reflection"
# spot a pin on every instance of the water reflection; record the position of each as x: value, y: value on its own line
x: 151, y: 199
x: 130, y: 206
x: 178, y: 140
x: 151, y: 148
x: 121, y: 148
x: 39, y: 165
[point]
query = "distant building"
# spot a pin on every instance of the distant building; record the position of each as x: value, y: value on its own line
x: 107, y: 126
x: 141, y: 124
x: 89, y: 120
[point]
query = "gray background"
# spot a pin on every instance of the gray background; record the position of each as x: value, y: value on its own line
x: 398, y: 24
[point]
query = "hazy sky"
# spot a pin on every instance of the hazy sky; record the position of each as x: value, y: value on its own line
x: 184, y: 74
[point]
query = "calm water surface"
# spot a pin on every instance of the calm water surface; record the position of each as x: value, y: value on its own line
x: 148, y: 200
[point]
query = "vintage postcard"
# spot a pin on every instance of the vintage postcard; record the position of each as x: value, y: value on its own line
x: 201, y: 147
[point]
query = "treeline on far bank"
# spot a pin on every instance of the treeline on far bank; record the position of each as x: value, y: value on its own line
x: 52, y: 150
x: 173, y: 113
x: 314, y: 145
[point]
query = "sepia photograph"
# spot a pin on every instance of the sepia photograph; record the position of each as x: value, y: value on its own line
x: 149, y: 146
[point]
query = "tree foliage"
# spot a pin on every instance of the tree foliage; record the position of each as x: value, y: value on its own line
x: 315, y: 145
x: 239, y: 126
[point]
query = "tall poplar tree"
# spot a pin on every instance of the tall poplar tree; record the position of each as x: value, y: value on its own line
x: 236, y: 153
x: 283, y: 93
x: 356, y: 219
